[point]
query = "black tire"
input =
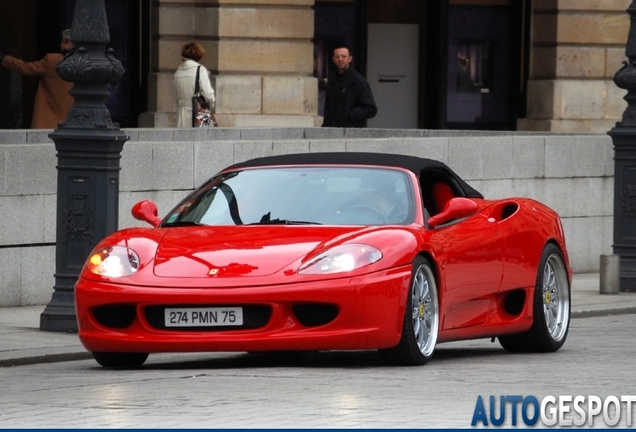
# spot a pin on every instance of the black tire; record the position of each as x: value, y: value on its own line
x: 551, y: 310
x: 120, y: 360
x: 421, y: 320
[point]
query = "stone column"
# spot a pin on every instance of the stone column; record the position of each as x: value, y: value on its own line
x: 577, y: 46
x: 259, y: 53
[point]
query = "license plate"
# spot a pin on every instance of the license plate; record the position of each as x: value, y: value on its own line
x: 203, y: 317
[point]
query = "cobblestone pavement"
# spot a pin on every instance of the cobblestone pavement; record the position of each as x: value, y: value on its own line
x: 324, y: 390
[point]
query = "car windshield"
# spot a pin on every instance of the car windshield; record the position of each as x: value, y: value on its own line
x: 299, y: 196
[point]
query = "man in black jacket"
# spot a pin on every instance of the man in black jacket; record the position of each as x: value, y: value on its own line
x: 348, y: 99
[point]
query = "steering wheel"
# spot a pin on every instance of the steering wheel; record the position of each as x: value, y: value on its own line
x: 369, y: 210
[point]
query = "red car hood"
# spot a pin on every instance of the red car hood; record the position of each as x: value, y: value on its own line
x: 240, y: 251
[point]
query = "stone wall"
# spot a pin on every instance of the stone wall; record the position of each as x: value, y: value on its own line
x: 259, y: 53
x: 577, y: 47
x: 571, y: 173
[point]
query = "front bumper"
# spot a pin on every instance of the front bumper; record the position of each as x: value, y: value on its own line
x: 370, y: 312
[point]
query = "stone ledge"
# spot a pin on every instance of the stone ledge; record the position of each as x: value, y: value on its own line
x: 246, y: 120
x: 591, y: 126
x: 581, y: 5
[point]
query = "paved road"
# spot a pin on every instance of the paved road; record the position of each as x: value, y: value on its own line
x: 334, y: 390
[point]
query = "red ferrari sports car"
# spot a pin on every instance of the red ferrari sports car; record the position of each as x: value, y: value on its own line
x: 328, y: 251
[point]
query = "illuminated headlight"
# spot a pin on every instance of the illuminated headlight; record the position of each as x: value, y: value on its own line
x: 342, y: 258
x: 114, y: 261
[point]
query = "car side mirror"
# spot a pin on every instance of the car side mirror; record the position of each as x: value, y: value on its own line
x: 456, y: 208
x: 146, y: 211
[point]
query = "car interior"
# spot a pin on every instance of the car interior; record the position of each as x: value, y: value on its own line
x: 437, y: 189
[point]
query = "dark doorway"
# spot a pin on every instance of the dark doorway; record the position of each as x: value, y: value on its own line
x: 335, y: 23
x: 480, y: 79
x: 32, y: 28
x: 473, y: 56
x: 17, y: 38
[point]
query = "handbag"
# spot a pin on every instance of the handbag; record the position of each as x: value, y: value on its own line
x: 201, y: 114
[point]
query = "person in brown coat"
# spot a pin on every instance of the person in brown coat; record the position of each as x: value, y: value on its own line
x: 52, y: 100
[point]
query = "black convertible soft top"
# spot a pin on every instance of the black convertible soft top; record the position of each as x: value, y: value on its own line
x: 419, y: 166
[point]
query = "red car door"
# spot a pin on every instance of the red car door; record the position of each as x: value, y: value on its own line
x: 472, y: 269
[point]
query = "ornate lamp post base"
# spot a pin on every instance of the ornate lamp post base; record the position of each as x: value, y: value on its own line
x: 87, y: 210
x: 624, y: 139
x: 59, y: 314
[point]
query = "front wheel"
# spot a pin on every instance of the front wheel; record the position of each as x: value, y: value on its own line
x: 551, y: 308
x: 120, y: 360
x: 421, y: 320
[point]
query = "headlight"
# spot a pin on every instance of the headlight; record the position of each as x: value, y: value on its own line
x: 342, y: 258
x: 114, y: 261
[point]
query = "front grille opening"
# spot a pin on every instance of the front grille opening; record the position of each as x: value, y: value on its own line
x: 115, y: 316
x: 515, y: 300
x: 313, y: 315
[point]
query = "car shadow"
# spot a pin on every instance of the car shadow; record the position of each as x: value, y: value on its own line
x: 301, y: 359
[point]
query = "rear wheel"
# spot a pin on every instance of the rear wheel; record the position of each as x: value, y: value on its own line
x: 120, y: 360
x: 551, y: 308
x: 421, y: 320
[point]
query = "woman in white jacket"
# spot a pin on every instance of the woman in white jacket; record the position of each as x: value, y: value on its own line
x: 183, y: 83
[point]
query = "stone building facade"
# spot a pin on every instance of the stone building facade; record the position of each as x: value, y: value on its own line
x: 259, y: 52
x: 577, y: 47
x: 262, y: 55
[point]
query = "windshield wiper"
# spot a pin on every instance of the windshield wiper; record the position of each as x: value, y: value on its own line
x: 266, y: 220
x: 284, y: 222
x: 182, y: 224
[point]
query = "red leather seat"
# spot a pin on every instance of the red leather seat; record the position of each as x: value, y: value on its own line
x: 442, y: 193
